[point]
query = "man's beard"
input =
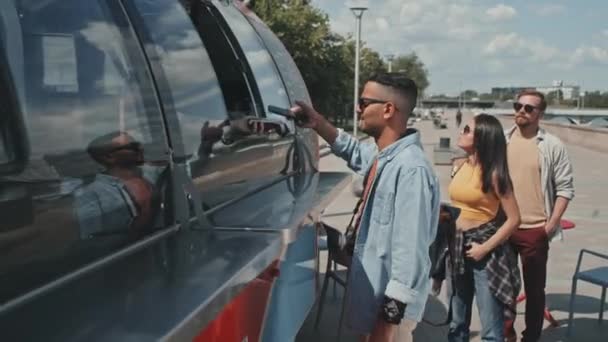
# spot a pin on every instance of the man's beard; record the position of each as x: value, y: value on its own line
x: 371, y: 131
x: 522, y: 122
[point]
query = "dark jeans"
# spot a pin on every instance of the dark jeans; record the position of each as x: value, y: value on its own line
x: 533, y: 247
x: 491, y: 310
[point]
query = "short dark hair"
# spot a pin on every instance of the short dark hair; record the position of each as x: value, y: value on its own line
x: 534, y: 92
x: 401, y: 83
x: 100, y: 146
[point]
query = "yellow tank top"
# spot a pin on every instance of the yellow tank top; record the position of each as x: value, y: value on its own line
x: 466, y: 194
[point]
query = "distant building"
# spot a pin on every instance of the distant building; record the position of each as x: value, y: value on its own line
x: 569, y: 92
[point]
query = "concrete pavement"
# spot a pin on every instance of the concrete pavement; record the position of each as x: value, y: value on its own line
x: 589, y: 211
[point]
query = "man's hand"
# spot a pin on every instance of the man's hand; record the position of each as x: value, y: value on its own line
x: 383, y: 332
x: 550, y: 228
x: 477, y: 251
x: 211, y: 133
x: 306, y: 116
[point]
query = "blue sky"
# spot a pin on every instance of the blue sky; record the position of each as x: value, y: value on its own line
x: 478, y: 44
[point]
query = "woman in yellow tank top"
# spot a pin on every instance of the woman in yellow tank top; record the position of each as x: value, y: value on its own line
x: 481, y: 261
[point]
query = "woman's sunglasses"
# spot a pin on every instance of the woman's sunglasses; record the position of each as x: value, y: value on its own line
x: 527, y: 108
x: 466, y: 129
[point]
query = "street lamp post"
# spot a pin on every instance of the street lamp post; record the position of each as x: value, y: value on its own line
x: 390, y: 58
x: 358, y: 12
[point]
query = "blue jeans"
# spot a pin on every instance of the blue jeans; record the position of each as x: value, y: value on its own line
x: 491, y: 310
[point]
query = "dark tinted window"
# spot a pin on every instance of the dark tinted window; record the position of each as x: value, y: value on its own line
x: 265, y: 72
x: 98, y: 149
x: 234, y: 80
x: 192, y: 85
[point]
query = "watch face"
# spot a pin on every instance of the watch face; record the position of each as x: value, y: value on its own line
x: 393, y: 311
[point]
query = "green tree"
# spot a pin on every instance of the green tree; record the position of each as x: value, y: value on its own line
x: 469, y: 94
x: 596, y: 99
x: 305, y: 32
x: 486, y: 97
x: 414, y: 68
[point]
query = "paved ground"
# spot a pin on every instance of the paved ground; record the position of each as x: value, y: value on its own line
x: 589, y: 211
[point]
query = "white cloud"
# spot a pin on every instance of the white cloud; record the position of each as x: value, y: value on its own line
x: 547, y: 10
x: 465, y: 40
x: 422, y: 19
x: 502, y: 42
x: 495, y: 66
x: 356, y: 3
x: 382, y: 24
x: 594, y: 54
x: 501, y: 12
x: 410, y: 11
x: 513, y: 45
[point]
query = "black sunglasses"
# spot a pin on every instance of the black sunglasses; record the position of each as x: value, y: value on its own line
x: 466, y: 129
x: 132, y: 146
x: 527, y: 108
x: 364, y: 102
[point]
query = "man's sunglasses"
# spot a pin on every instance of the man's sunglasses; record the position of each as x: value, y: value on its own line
x: 132, y: 146
x: 364, y: 102
x: 527, y: 108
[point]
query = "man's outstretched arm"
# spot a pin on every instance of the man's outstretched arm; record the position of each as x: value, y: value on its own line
x: 358, y: 155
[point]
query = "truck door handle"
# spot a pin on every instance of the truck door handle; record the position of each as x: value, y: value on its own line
x: 299, y: 119
x: 267, y: 126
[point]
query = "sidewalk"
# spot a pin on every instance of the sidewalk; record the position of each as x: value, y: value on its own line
x: 589, y: 211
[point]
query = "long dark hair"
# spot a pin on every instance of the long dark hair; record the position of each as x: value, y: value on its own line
x: 491, y: 147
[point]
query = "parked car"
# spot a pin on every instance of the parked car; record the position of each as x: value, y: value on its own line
x: 146, y: 192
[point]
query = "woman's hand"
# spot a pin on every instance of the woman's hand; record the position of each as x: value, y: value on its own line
x: 477, y: 251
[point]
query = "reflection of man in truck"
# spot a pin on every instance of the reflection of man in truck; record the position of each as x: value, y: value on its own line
x: 120, y: 198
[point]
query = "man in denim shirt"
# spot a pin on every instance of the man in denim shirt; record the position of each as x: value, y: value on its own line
x: 389, y: 275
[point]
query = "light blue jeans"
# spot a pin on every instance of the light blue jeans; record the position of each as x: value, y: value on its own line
x: 491, y: 311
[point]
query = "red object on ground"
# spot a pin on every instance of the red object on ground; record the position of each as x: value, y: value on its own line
x: 567, y: 224
x: 242, y: 319
x: 548, y: 316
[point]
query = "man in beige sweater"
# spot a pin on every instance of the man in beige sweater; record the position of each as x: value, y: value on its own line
x: 543, y: 184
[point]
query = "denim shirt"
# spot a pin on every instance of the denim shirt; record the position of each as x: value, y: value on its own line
x: 398, y: 225
x: 103, y: 206
x: 555, y: 172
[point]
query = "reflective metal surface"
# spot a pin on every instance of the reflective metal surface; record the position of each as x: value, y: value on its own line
x: 98, y: 148
x: 194, y: 272
x: 296, y: 289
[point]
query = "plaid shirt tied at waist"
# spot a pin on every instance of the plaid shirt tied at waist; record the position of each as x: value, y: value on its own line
x: 502, y: 268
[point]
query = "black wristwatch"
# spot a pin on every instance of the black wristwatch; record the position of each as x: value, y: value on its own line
x: 393, y: 310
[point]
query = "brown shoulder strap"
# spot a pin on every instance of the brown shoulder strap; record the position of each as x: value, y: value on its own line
x: 456, y: 167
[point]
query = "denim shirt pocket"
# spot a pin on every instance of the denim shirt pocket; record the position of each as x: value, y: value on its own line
x: 382, y: 216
